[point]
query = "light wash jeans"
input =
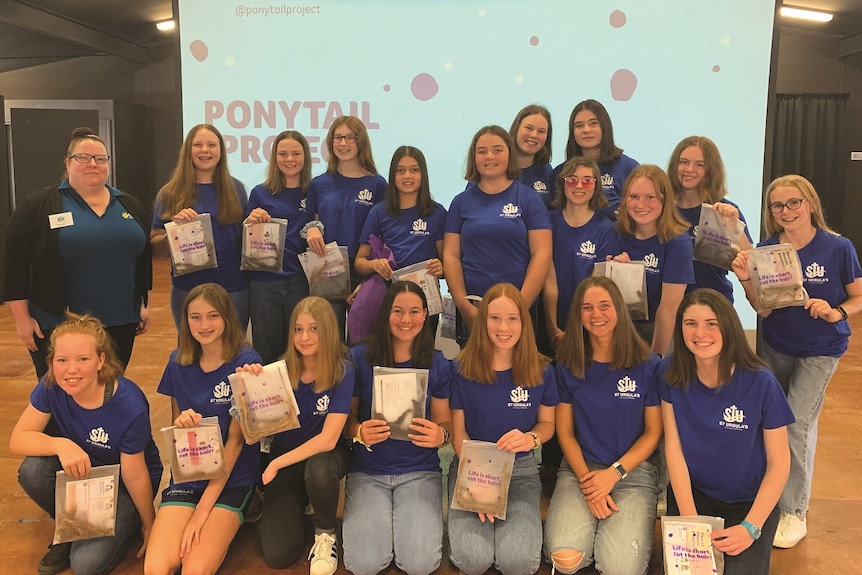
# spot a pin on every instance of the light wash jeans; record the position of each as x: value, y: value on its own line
x: 620, y: 544
x: 512, y: 546
x: 239, y: 299
x: 804, y: 380
x: 270, y: 305
x: 388, y: 516
x: 37, y: 475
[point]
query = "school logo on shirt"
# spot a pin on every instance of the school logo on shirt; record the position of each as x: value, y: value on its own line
x: 519, y: 398
x: 651, y: 263
x: 627, y: 389
x: 127, y: 216
x: 99, y: 438
x: 221, y: 393
x: 419, y: 228
x: 365, y: 197
x: 511, y: 210
x: 302, y: 205
x: 816, y: 274
x: 588, y: 250
x: 733, y: 418
x: 607, y: 181
x: 322, y: 405
x: 540, y: 187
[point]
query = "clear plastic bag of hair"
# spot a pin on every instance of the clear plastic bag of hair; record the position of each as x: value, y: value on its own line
x: 418, y: 274
x: 196, y: 453
x: 399, y: 395
x: 191, y: 244
x: 328, y: 277
x: 86, y: 508
x: 716, y: 238
x: 263, y: 246
x: 447, y: 320
x: 265, y: 402
x: 776, y: 275
x: 484, y: 475
x: 631, y: 279
x: 687, y: 545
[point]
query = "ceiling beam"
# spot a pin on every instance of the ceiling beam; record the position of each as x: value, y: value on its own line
x: 850, y: 45
x: 32, y: 18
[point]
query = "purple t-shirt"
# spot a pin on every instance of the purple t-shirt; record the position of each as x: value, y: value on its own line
x: 494, y: 230
x: 394, y: 456
x: 829, y: 264
x: 493, y: 409
x: 314, y: 407
x: 721, y: 430
x: 669, y: 262
x: 608, y: 406
x: 209, y: 394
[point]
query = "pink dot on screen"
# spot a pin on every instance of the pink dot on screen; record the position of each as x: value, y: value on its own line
x: 623, y: 84
x: 424, y: 87
x: 534, y: 40
x: 199, y: 50
x: 386, y: 87
x: 716, y: 68
x: 618, y: 19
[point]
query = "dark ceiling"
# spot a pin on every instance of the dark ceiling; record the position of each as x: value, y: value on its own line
x: 37, y: 32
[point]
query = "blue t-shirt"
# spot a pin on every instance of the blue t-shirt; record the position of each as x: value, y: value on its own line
x: 494, y: 230
x: 289, y: 204
x: 228, y: 243
x: 669, y: 262
x: 707, y: 275
x: 209, y: 395
x: 608, y: 406
x: 493, y: 409
x: 721, y: 430
x: 576, y: 250
x: 412, y: 239
x: 342, y: 204
x: 120, y: 425
x: 829, y: 264
x: 314, y: 407
x: 394, y: 456
x: 540, y: 178
x: 614, y: 175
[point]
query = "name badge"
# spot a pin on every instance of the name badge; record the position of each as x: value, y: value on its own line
x: 61, y: 220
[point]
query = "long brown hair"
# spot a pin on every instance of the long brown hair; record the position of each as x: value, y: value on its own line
x: 575, y: 350
x: 363, y: 144
x: 331, y: 351
x: 597, y: 202
x: 86, y: 324
x: 379, y: 350
x: 475, y: 361
x: 735, y: 351
x: 512, y: 170
x: 274, y: 182
x: 608, y: 150
x: 543, y: 156
x: 424, y: 203
x: 670, y: 224
x: 233, y: 337
x: 181, y: 190
x: 711, y: 187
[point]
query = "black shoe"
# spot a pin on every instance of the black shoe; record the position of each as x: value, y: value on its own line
x: 56, y: 559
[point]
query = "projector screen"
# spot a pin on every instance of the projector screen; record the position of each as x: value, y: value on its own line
x: 430, y: 73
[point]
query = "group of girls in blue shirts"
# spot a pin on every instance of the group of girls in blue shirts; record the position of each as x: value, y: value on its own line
x: 608, y: 397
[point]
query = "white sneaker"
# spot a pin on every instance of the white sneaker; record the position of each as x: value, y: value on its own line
x: 323, y: 555
x: 791, y: 530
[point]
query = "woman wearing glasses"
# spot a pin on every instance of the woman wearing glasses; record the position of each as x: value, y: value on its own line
x: 341, y: 197
x: 582, y: 236
x: 82, y: 246
x: 802, y: 345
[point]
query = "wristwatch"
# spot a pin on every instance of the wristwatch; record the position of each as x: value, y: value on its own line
x: 621, y: 471
x: 446, y: 436
x: 753, y: 529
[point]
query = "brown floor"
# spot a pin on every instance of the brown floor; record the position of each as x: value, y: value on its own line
x: 835, y: 518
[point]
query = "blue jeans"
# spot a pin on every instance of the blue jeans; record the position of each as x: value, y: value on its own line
x: 804, y: 380
x: 37, y: 475
x: 239, y: 299
x: 388, y: 516
x: 270, y: 305
x: 620, y: 544
x: 512, y: 546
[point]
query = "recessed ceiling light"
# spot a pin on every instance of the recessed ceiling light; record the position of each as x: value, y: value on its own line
x: 804, y: 14
x: 165, y: 25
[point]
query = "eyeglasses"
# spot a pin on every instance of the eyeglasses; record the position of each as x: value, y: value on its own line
x: 587, y: 182
x: 349, y: 138
x: 101, y: 159
x: 791, y: 204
